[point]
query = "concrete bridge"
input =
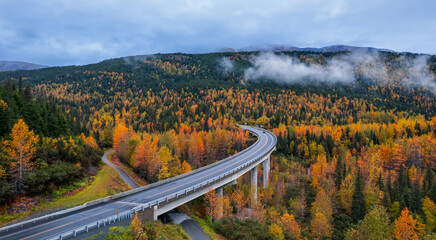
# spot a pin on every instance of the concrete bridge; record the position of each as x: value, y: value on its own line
x: 151, y: 200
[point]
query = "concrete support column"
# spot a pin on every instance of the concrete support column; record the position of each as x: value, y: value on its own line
x: 266, y: 168
x: 254, y: 181
x: 219, y: 193
x: 150, y: 214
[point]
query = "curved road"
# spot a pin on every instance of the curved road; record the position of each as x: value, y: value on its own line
x: 192, y: 228
x: 126, y: 178
x: 265, y: 143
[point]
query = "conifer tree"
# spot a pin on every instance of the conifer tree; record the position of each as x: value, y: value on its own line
x: 338, y: 173
x: 380, y: 183
x: 358, y: 207
x: 428, y: 180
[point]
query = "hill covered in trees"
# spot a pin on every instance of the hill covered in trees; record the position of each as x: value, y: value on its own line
x: 356, y: 131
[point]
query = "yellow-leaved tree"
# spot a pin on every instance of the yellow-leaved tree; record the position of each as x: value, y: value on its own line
x: 429, y: 208
x: 21, y: 149
x: 186, y: 167
x: 170, y: 166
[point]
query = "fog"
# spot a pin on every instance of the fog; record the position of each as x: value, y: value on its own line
x: 342, y: 69
x: 226, y: 65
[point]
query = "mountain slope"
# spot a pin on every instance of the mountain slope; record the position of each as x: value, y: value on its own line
x: 16, y: 65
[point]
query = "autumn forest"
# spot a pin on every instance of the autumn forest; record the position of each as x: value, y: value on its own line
x: 355, y: 158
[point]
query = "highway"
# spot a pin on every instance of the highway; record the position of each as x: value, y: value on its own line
x: 51, y: 229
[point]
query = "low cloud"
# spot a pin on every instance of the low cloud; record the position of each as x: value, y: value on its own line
x: 285, y: 69
x: 343, y: 69
x: 226, y: 65
x: 418, y: 74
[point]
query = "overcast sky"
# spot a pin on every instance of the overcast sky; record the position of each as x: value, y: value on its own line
x: 60, y: 32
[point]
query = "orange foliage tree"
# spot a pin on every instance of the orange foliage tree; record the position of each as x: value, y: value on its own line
x: 290, y: 226
x: 227, y: 207
x: 213, y: 207
x: 146, y: 156
x: 121, y: 140
x: 21, y: 150
x: 239, y: 200
x: 407, y: 228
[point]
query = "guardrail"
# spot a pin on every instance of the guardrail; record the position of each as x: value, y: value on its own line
x: 129, y: 213
x: 143, y: 207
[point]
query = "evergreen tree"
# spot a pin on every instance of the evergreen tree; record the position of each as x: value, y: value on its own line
x: 20, y: 85
x: 341, y: 223
x: 28, y: 93
x: 8, y: 87
x: 380, y: 182
x: 416, y: 199
x: 386, y: 201
x: 358, y: 206
x: 428, y: 180
x: 338, y: 173
x: 432, y: 192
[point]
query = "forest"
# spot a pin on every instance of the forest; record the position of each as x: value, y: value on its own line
x: 354, y: 160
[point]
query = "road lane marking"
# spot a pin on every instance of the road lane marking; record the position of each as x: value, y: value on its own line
x: 267, y: 140
x: 45, y: 231
x: 51, y: 229
x: 129, y: 203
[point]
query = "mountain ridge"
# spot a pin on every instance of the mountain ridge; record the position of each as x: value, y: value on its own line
x: 19, y: 65
x: 281, y: 48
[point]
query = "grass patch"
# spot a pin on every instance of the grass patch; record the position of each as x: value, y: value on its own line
x: 106, y: 182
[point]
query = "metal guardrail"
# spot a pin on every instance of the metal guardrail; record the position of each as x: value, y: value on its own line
x: 119, y: 195
x: 129, y: 213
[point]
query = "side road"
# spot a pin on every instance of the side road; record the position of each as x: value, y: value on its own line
x: 126, y: 178
x: 192, y: 228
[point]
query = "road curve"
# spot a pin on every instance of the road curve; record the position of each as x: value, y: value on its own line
x: 192, y: 228
x: 126, y: 178
x: 52, y: 229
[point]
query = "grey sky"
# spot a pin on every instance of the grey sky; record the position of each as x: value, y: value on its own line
x: 61, y: 32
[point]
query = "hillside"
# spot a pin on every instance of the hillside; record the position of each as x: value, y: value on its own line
x: 356, y: 132
x: 362, y: 67
x: 15, y: 65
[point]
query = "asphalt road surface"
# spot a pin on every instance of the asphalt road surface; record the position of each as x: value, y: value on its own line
x: 191, y: 227
x: 56, y: 227
x: 126, y: 178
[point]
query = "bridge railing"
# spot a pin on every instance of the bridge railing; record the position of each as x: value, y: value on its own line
x: 206, y: 182
x: 116, y: 196
x: 128, y: 214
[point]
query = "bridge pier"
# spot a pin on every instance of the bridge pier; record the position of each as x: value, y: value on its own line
x: 254, y: 182
x: 219, y: 192
x: 266, y: 169
x: 150, y: 213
